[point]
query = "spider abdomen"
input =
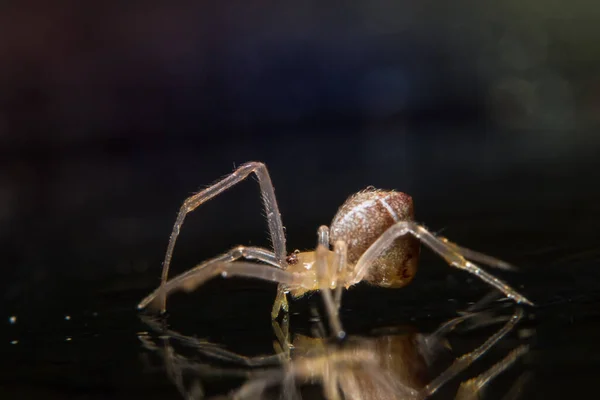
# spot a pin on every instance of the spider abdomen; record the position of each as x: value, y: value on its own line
x: 362, y: 219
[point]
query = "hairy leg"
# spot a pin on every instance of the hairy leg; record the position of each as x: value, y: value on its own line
x: 450, y: 253
x: 190, y: 280
x: 269, y: 201
x: 249, y: 253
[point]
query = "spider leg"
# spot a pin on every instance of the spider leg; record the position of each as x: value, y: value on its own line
x: 270, y: 204
x: 484, y: 301
x: 175, y: 373
x: 482, y: 318
x: 197, y: 276
x: 478, y: 257
x: 249, y: 253
x: 341, y: 260
x: 207, y: 348
x: 435, y: 339
x: 348, y: 384
x: 331, y: 384
x: 177, y: 365
x: 255, y: 387
x: 451, y: 254
x: 473, y: 388
x: 323, y: 236
x: 280, y: 303
x: 324, y: 280
x: 433, y: 342
x: 464, y: 361
x: 283, y: 345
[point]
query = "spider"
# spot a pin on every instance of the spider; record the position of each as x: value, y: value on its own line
x: 374, y: 239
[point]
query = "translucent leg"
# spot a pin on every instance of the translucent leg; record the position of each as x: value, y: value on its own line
x: 324, y: 279
x: 464, y: 361
x: 249, y: 253
x: 479, y: 257
x: 450, y: 253
x: 209, y: 349
x: 472, y: 389
x: 472, y: 313
x: 350, y: 388
x: 283, y: 344
x: 175, y: 374
x: 269, y: 201
x: 289, y: 389
x: 317, y: 328
x: 323, y: 236
x: 255, y: 388
x: 188, y: 281
x: 484, y: 301
x: 341, y: 260
x: 280, y: 303
x: 176, y: 366
x: 330, y: 384
x: 433, y: 339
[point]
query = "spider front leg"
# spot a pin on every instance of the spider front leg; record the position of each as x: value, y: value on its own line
x: 249, y: 253
x: 325, y: 275
x: 451, y: 253
x: 190, y: 280
x: 336, y: 270
x: 340, y: 262
x: 270, y: 203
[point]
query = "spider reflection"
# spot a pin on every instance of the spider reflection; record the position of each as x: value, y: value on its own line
x: 394, y: 365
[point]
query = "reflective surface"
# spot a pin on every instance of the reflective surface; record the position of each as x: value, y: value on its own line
x: 395, y: 363
x: 101, y: 355
x: 76, y: 274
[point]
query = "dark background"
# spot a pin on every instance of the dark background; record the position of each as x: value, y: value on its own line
x: 111, y: 115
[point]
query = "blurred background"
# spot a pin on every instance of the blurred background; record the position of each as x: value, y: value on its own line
x: 112, y: 114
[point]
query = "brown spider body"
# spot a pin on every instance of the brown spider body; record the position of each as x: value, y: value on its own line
x: 362, y: 219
